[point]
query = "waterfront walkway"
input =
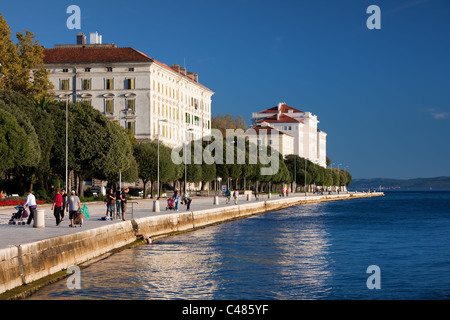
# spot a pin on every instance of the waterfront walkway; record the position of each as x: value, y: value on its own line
x: 14, y: 235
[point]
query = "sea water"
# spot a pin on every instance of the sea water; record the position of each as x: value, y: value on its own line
x: 316, y: 251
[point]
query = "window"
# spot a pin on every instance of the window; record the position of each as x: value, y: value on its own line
x: 86, y: 84
x: 65, y: 70
x: 197, y: 121
x: 109, y: 84
x: 130, y: 127
x: 65, y: 84
x: 109, y: 106
x: 131, y: 105
x: 188, y: 118
x: 87, y: 69
x: 109, y: 69
x: 131, y: 69
x: 129, y: 83
x: 270, y: 141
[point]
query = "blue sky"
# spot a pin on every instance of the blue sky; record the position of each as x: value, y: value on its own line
x: 382, y: 96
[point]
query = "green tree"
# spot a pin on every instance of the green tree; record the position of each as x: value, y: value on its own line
x: 97, y: 147
x: 146, y: 155
x: 14, y: 143
x: 22, y: 66
x: 335, y: 176
x: 146, y: 159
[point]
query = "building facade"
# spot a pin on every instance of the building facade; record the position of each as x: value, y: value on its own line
x: 143, y: 95
x: 308, y: 141
x: 264, y: 135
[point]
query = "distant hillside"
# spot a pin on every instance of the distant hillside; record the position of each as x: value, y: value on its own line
x: 418, y: 183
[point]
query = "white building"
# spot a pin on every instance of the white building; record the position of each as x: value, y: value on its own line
x: 140, y: 93
x: 309, y: 142
x: 265, y: 135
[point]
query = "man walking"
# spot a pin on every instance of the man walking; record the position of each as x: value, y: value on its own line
x: 74, y: 205
x: 31, y: 203
x: 57, y: 206
x: 228, y: 195
x: 236, y: 196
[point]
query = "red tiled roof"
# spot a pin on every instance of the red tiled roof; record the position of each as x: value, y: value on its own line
x: 101, y: 55
x: 94, y: 55
x: 284, y: 109
x: 282, y: 119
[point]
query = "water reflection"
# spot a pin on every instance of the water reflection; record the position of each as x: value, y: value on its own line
x: 305, y: 264
x: 278, y: 255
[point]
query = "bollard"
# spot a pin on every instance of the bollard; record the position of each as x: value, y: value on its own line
x: 39, y: 219
x: 155, y: 205
x: 248, y: 197
x: 269, y: 196
x: 216, y: 200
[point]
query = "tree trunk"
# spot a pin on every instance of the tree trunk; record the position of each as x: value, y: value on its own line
x: 145, y: 189
x: 81, y: 178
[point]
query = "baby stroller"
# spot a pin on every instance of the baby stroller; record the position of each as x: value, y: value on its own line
x: 17, y: 218
x: 170, y: 204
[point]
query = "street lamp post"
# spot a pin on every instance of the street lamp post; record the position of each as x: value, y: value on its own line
x: 295, y: 173
x: 156, y: 202
x: 339, y: 175
x: 185, y: 160
x: 305, y: 177
x: 67, y: 95
x: 160, y: 120
x: 331, y: 173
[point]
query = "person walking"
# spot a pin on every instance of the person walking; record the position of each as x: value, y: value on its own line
x: 123, y: 199
x: 176, y: 199
x: 228, y: 195
x: 187, y: 201
x: 235, y: 196
x: 74, y: 205
x: 31, y: 203
x: 57, y: 206
x: 64, y: 205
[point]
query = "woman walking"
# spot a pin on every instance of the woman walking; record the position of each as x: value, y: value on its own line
x: 176, y: 199
x: 57, y: 206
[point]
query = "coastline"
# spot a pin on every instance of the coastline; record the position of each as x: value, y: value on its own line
x: 37, y: 261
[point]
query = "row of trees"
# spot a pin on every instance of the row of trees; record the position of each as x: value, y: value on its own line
x: 241, y: 175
